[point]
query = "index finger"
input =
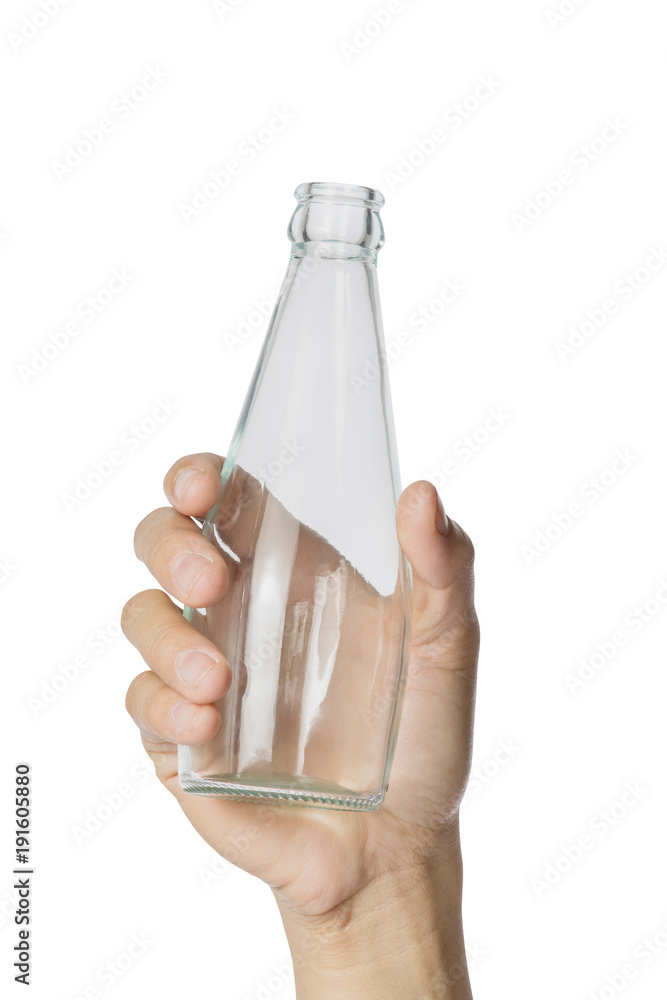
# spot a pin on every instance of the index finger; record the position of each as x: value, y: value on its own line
x: 192, y: 485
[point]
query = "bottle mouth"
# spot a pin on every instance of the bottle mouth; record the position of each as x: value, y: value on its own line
x: 341, y: 194
x: 343, y: 214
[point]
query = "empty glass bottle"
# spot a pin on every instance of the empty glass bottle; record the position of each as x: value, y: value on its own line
x: 315, y: 619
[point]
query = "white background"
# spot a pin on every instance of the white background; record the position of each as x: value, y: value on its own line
x: 67, y: 573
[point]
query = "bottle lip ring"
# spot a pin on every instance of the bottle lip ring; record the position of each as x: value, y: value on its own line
x: 345, y: 194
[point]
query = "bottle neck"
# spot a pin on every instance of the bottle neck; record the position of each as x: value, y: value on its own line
x: 336, y: 221
x: 317, y: 250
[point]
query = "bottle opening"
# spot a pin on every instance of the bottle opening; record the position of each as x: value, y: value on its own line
x: 344, y: 194
x: 337, y: 213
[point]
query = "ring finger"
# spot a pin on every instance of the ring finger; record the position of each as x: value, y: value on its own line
x: 176, y: 651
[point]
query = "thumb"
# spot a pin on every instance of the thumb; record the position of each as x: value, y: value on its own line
x: 441, y: 556
x: 435, y: 738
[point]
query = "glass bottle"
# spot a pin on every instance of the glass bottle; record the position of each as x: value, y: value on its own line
x: 315, y: 619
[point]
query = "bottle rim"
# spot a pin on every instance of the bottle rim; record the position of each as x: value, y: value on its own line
x: 344, y: 194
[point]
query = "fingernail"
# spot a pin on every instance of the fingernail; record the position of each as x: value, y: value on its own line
x: 182, y: 481
x: 441, y: 519
x: 184, y: 714
x: 187, y: 569
x: 192, y: 665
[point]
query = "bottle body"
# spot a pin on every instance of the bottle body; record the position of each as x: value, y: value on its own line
x: 314, y: 621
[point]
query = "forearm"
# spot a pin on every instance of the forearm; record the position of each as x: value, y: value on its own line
x: 399, y: 938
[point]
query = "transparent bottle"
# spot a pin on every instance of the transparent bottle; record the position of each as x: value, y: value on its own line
x: 315, y: 620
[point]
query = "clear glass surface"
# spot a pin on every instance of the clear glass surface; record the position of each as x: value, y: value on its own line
x: 314, y: 621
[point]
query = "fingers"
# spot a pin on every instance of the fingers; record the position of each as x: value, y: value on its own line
x: 176, y: 651
x: 178, y: 555
x: 192, y: 485
x: 442, y: 558
x: 165, y: 717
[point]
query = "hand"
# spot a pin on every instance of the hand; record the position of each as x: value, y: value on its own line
x: 328, y: 870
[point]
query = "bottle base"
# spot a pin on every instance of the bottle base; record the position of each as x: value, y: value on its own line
x: 298, y: 790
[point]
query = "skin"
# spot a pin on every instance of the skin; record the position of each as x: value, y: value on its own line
x: 371, y: 902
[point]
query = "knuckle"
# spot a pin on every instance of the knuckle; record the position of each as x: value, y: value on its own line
x: 139, y: 533
x: 135, y: 608
x: 207, y: 461
x: 130, y: 612
x: 159, y: 636
x: 146, y: 527
x: 466, y: 623
x: 466, y: 553
x: 133, y: 696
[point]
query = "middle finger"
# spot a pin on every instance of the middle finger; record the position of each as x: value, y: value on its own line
x: 178, y: 555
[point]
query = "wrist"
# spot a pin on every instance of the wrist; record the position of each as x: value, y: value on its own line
x: 400, y: 936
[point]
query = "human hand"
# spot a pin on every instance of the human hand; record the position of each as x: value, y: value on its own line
x: 330, y: 871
